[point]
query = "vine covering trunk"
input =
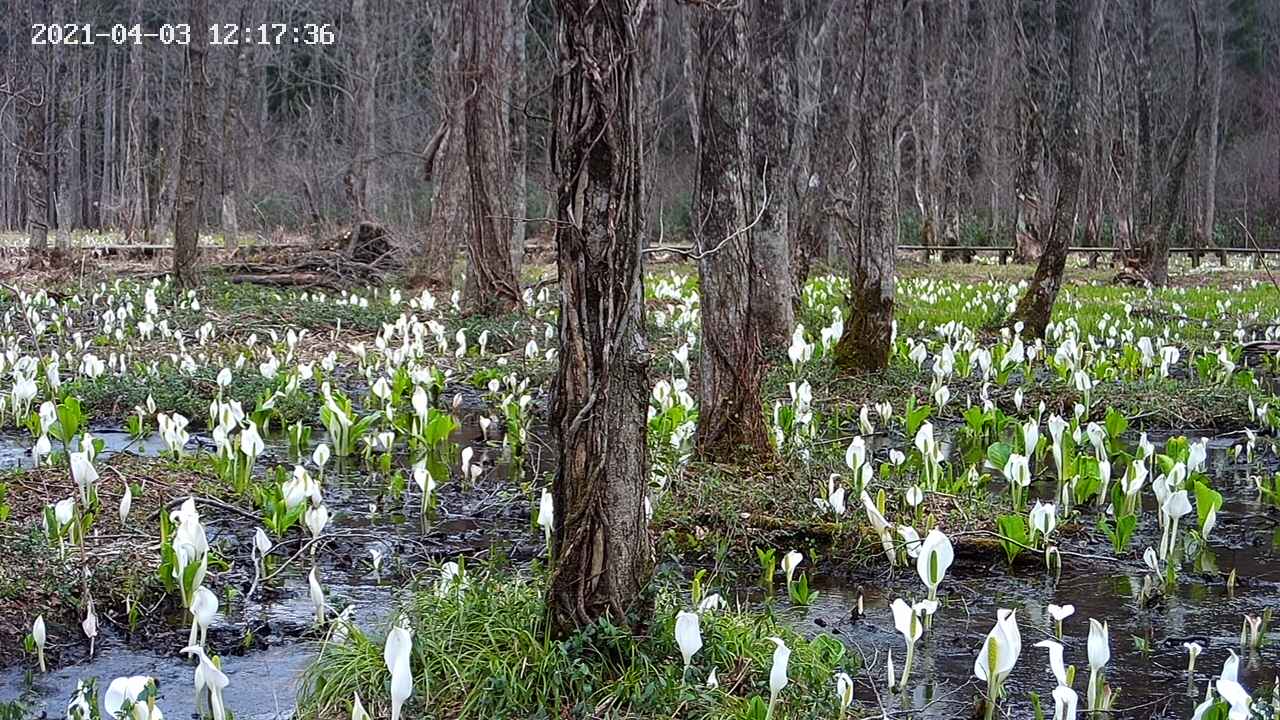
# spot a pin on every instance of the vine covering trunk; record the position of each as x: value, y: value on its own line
x: 603, y: 555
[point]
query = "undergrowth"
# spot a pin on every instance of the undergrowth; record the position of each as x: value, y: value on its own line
x: 482, y: 652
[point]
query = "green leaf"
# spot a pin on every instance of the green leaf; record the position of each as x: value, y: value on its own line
x: 1013, y: 534
x: 975, y: 418
x: 1116, y: 423
x: 1207, y: 500
x: 998, y: 454
x: 69, y: 417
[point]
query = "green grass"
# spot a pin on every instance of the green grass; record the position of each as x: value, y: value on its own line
x: 108, y: 398
x: 243, y: 303
x: 483, y: 654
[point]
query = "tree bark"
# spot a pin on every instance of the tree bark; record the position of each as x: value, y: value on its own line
x: 730, y: 416
x: 1082, y: 25
x: 232, y: 154
x: 191, y: 165
x: 806, y: 193
x: 652, y: 93
x: 33, y: 106
x: 1210, y: 221
x: 363, y: 82
x: 1144, y: 180
x: 1029, y: 217
x: 492, y: 287
x: 446, y: 167
x: 136, y: 214
x: 1151, y: 258
x: 62, y: 155
x: 867, y: 342
x: 771, y: 290
x: 603, y: 553
x: 518, y: 100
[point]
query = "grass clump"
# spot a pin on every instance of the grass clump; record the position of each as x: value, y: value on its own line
x: 481, y: 651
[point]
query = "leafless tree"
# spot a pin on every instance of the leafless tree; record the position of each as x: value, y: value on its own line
x: 730, y: 417
x: 864, y: 196
x: 1078, y: 30
x: 191, y: 164
x: 491, y: 286
x: 770, y: 123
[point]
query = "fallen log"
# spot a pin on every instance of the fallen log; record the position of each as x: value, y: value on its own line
x: 286, y: 280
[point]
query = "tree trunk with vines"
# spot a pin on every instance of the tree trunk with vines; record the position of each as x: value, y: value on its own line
x: 603, y: 554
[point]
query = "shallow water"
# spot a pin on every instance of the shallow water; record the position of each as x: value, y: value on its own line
x: 263, y: 684
x: 1151, y: 685
x: 279, y: 617
x: 942, y: 683
x: 15, y: 449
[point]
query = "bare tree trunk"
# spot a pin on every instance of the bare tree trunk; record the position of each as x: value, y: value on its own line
x: 867, y: 342
x: 154, y: 170
x: 730, y: 417
x: 446, y: 166
x: 1144, y: 215
x: 108, y: 194
x: 1208, y: 231
x: 806, y: 225
x: 232, y: 153
x: 1028, y: 220
x: 492, y: 287
x: 63, y: 154
x: 771, y: 290
x: 1151, y: 261
x: 519, y: 132
x: 191, y: 165
x: 33, y: 100
x: 603, y: 553
x: 652, y: 93
x: 935, y: 39
x: 363, y: 81
x: 135, y: 188
x: 1036, y: 305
